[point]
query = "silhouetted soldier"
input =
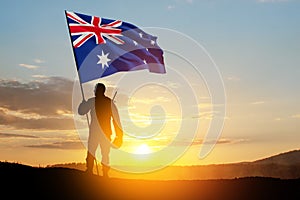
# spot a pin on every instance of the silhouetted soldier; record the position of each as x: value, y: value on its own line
x: 102, y: 110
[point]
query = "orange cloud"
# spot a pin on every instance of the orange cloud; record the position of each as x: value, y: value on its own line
x: 45, y: 104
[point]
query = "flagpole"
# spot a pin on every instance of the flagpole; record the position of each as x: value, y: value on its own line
x: 81, y: 88
x: 76, y: 63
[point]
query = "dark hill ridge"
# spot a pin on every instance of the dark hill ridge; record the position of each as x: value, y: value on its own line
x: 287, y: 158
x: 20, y: 181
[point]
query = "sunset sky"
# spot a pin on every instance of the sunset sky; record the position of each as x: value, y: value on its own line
x: 255, y: 45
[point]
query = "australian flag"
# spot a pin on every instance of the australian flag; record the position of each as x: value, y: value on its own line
x: 104, y: 46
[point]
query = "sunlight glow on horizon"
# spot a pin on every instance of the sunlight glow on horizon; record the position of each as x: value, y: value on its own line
x: 143, y: 149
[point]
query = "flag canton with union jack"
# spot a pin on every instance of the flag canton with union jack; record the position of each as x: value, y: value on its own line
x: 104, y: 46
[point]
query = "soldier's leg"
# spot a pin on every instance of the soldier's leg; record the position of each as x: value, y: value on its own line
x: 89, y: 162
x: 90, y: 158
x: 105, y: 150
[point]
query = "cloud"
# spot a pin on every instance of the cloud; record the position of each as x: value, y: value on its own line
x: 43, y: 97
x: 59, y: 145
x: 170, y: 7
x: 10, y: 135
x: 296, y: 116
x: 272, y: 1
x: 38, y: 61
x: 172, y: 84
x: 45, y: 123
x: 220, y: 141
x: 39, y: 76
x: 29, y: 66
x: 233, y: 78
x: 189, y: 1
x: 257, y: 102
x: 178, y: 3
x: 43, y: 104
x: 204, y: 106
x: 205, y: 115
x: 148, y: 101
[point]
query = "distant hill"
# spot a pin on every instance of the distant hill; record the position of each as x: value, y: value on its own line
x: 283, y: 166
x: 25, y: 182
x: 287, y: 158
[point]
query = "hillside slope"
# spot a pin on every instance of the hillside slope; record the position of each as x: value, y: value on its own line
x: 286, y: 158
x: 19, y: 181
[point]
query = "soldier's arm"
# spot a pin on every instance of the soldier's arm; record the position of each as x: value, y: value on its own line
x: 85, y: 107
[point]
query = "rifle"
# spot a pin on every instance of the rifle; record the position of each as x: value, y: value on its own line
x: 113, y: 99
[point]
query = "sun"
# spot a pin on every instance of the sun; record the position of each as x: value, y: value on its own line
x: 143, y: 149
